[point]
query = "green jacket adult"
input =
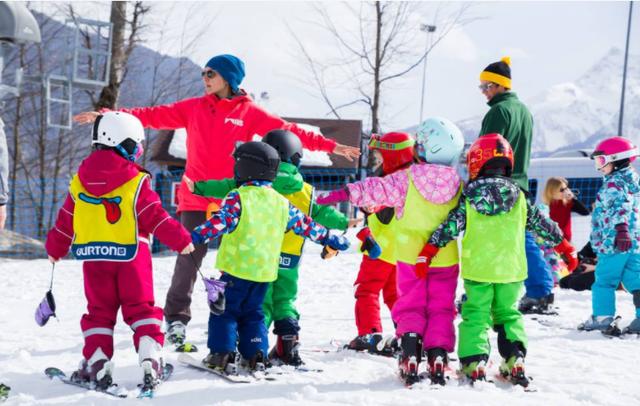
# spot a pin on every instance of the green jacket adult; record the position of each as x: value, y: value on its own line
x: 511, y: 118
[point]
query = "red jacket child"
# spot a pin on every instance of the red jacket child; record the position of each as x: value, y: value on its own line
x: 106, y: 220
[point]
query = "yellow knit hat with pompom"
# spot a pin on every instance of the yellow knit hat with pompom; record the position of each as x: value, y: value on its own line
x: 498, y: 72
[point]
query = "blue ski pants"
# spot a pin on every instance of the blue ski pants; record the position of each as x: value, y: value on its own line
x: 539, y: 282
x: 242, y: 321
x: 611, y: 270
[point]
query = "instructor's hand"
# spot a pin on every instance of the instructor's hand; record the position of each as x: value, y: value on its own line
x: 347, y: 151
x: 87, y: 117
x: 188, y: 249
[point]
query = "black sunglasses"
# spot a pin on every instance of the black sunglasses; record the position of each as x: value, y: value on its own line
x: 209, y: 73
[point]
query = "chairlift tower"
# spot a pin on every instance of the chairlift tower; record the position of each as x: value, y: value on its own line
x: 86, y: 63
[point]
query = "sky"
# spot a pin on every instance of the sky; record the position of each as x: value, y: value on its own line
x: 549, y: 43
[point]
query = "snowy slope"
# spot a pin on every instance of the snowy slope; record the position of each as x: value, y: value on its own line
x: 569, y: 367
x: 577, y: 114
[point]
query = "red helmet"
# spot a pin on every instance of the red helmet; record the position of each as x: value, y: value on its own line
x: 489, y: 148
x: 614, y: 149
x: 396, y: 150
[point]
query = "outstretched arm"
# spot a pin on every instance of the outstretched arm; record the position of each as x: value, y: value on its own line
x: 224, y: 221
x: 455, y: 223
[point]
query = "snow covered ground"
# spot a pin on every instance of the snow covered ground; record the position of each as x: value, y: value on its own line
x: 569, y: 367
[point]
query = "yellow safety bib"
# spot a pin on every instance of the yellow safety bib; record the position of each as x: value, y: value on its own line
x: 293, y: 243
x: 105, y: 227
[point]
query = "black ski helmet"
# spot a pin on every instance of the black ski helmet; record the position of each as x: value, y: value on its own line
x: 287, y: 144
x: 255, y: 161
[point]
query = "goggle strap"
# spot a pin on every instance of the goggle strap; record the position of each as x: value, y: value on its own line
x: 389, y: 146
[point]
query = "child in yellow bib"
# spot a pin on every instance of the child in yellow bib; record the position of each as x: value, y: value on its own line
x: 254, y: 218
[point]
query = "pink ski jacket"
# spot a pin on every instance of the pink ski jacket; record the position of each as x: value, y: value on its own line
x: 436, y: 183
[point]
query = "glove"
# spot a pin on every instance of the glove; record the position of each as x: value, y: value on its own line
x: 332, y: 244
x: 424, y: 260
x: 568, y: 251
x: 215, y: 295
x: 623, y: 238
x: 369, y: 244
x: 198, y: 238
x: 335, y: 196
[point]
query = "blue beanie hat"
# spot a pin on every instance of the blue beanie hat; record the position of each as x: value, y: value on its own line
x: 230, y: 67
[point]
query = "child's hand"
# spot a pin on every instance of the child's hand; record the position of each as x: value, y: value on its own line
x: 424, y: 260
x: 623, y: 238
x: 53, y: 260
x: 369, y: 244
x: 568, y: 251
x: 188, y: 249
x: 354, y: 222
x: 87, y: 117
x: 190, y: 184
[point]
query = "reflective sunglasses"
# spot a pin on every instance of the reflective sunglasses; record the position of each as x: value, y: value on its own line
x: 209, y: 73
x: 486, y: 86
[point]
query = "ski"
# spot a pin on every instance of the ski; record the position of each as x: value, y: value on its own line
x: 150, y: 385
x: 552, y: 324
x: 194, y: 363
x: 112, y: 390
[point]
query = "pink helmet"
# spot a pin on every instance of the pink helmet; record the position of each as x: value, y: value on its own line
x: 614, y: 149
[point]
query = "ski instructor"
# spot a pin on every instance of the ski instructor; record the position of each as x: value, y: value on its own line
x: 511, y: 118
x: 215, y: 122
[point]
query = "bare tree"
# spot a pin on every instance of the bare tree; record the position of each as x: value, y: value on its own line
x: 378, y: 48
x: 121, y: 48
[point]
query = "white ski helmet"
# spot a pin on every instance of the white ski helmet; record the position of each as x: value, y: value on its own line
x: 439, y: 141
x: 114, y: 127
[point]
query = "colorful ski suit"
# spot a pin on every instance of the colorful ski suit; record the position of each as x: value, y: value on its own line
x: 494, y: 214
x: 107, y: 218
x: 254, y: 218
x: 279, y: 303
x: 421, y: 196
x: 558, y: 266
x: 617, y: 202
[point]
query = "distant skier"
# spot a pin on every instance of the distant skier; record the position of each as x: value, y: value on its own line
x: 493, y: 213
x: 253, y: 219
x: 279, y: 304
x: 422, y: 196
x: 215, y: 121
x: 106, y: 220
x: 378, y: 270
x: 615, y: 234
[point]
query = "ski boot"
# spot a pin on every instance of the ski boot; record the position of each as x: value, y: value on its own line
x: 475, y: 370
x: 374, y: 343
x: 224, y: 362
x: 438, y: 360
x: 513, y: 370
x: 601, y: 323
x: 150, y: 358
x: 543, y: 305
x: 97, y: 370
x: 286, y: 351
x: 4, y: 391
x: 410, y: 357
x: 633, y: 327
x: 176, y: 332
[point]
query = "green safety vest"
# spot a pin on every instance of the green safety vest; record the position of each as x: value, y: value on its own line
x: 252, y: 250
x: 419, y: 221
x: 493, y: 246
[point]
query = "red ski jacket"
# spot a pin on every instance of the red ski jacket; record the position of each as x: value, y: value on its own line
x: 214, y: 126
x: 100, y: 173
